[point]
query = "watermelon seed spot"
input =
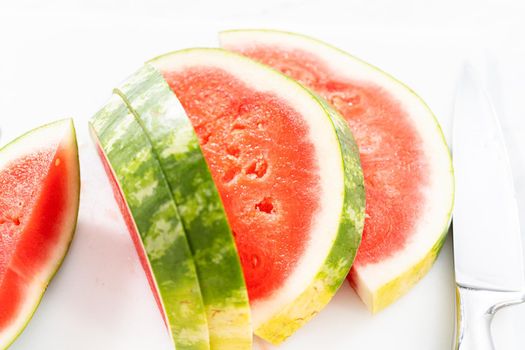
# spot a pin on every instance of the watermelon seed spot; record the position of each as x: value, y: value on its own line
x: 341, y: 101
x: 243, y: 107
x: 233, y: 151
x: 205, y: 139
x: 238, y: 126
x: 265, y: 205
x: 255, y: 261
x: 231, y: 173
x: 257, y: 168
x: 14, y: 220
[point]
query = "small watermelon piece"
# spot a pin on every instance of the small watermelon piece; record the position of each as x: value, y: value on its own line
x: 149, y: 210
x: 39, y: 199
x: 220, y: 274
x: 408, y: 171
x: 288, y: 173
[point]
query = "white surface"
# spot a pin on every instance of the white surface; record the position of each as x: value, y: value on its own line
x: 64, y: 59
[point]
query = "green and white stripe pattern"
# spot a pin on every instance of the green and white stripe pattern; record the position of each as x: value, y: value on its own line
x: 218, y: 266
x: 144, y: 187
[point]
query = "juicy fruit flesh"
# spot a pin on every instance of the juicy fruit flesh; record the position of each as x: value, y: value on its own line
x: 19, y: 187
x: 33, y: 193
x: 269, y: 186
x: 391, y: 153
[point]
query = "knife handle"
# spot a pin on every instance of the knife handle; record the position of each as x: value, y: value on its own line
x: 474, y: 311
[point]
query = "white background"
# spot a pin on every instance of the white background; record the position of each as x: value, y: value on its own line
x: 62, y: 58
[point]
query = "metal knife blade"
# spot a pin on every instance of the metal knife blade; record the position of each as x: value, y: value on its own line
x: 486, y: 230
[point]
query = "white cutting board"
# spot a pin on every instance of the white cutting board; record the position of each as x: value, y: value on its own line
x: 54, y: 66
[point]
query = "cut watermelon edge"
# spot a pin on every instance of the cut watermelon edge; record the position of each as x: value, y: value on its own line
x: 17, y: 149
x: 116, y: 116
x: 113, y: 178
x: 236, y: 326
x: 344, y: 247
x: 269, y: 318
x: 380, y: 292
x: 399, y: 286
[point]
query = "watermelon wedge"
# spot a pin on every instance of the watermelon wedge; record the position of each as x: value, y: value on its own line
x: 39, y: 199
x: 406, y: 162
x: 149, y: 210
x: 288, y: 173
x: 218, y: 267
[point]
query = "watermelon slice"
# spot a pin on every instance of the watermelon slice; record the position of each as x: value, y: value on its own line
x: 405, y: 159
x: 39, y: 199
x: 288, y: 173
x: 149, y: 210
x: 218, y: 267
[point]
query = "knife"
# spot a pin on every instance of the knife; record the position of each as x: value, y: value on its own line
x: 487, y: 240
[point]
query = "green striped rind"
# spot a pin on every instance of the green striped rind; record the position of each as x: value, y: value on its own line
x: 343, y: 250
x: 147, y: 194
x: 173, y: 138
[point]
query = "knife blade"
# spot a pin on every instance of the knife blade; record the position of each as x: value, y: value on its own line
x: 486, y: 230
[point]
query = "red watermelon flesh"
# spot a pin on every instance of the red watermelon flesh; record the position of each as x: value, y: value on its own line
x: 390, y: 148
x: 406, y: 163
x: 268, y: 185
x: 15, y: 203
x: 39, y: 194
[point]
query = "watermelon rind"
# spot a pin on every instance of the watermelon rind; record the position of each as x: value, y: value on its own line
x: 338, y: 228
x: 27, y: 143
x: 343, y: 250
x: 218, y: 266
x: 148, y: 199
x: 380, y: 284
